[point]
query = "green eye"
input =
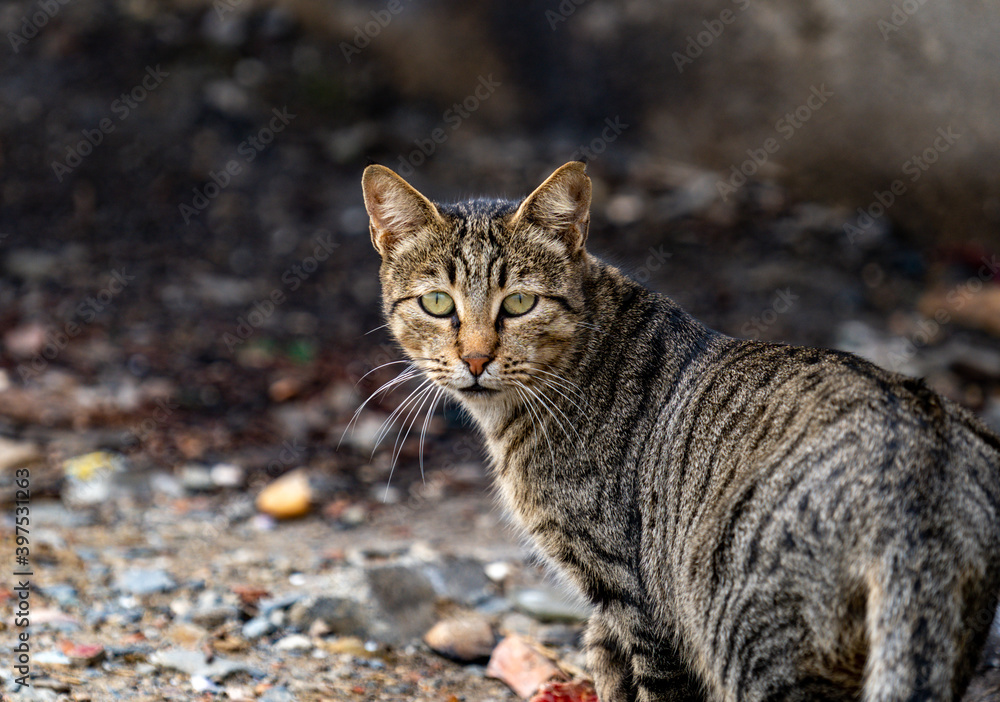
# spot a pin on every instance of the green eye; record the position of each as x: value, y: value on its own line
x: 519, y: 303
x: 437, y: 303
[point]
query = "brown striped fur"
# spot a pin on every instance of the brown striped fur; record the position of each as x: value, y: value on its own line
x: 751, y: 521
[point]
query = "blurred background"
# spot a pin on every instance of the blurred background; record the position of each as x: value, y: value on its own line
x: 189, y: 301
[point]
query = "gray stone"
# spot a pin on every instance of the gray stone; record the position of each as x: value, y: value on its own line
x: 462, y: 580
x: 550, y: 606
x: 194, y: 663
x: 343, y: 617
x: 277, y: 694
x: 211, y: 617
x: 257, y: 627
x: 196, y: 478
x: 63, y: 594
x: 404, y: 598
x: 141, y: 581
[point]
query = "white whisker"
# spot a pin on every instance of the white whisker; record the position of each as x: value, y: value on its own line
x: 387, y: 424
x: 423, y: 430
x: 404, y: 376
x: 536, y: 419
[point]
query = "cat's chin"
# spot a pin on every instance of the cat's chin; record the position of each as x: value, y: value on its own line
x: 478, y: 392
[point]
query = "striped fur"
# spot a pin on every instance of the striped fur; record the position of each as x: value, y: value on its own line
x: 751, y: 521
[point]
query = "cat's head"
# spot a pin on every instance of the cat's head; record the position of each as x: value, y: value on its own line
x: 484, y: 296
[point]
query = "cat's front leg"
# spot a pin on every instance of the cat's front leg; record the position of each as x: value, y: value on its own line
x: 659, y: 675
x: 609, y: 661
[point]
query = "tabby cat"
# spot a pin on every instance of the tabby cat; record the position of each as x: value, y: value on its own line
x: 751, y: 521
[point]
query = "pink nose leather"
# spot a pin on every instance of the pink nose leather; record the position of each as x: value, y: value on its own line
x: 477, y: 363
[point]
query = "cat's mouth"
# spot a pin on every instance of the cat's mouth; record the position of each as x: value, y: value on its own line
x: 477, y: 390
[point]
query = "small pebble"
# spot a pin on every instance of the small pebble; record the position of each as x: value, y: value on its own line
x: 465, y: 639
x: 257, y: 627
x: 294, y: 642
x: 141, y: 581
x: 519, y: 665
x: 497, y: 571
x: 287, y: 497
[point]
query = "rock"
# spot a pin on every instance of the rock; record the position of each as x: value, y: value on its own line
x: 257, y: 627
x: 16, y: 454
x: 575, y: 691
x: 294, y: 642
x: 140, y: 581
x: 62, y: 594
x: 287, y: 497
x: 341, y: 616
x: 195, y: 663
x: 51, y: 658
x: 186, y: 634
x: 466, y: 639
x: 212, y: 609
x: 462, y: 580
x: 195, y: 477
x: 227, y: 475
x: 405, y: 599
x: 277, y: 694
x: 348, y: 645
x: 497, y: 571
x: 82, y: 655
x: 520, y: 666
x: 92, y: 479
x: 550, y: 606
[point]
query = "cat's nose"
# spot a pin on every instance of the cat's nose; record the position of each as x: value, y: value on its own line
x: 477, y: 363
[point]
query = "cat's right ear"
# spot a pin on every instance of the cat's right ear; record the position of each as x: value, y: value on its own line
x: 395, y: 208
x: 561, y: 205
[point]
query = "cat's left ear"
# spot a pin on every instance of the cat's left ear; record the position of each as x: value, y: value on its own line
x: 561, y: 205
x: 395, y: 208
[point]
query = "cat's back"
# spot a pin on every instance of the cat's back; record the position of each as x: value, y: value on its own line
x: 810, y: 425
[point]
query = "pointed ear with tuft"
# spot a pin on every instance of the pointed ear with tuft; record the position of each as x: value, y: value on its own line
x: 395, y: 209
x: 561, y: 205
